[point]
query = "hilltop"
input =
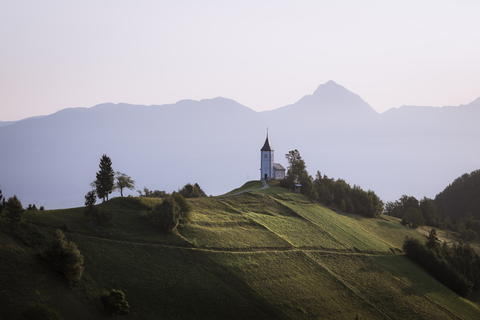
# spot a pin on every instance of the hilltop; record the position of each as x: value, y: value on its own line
x: 258, y: 254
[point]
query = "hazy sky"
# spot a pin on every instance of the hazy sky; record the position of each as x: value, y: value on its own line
x: 263, y: 54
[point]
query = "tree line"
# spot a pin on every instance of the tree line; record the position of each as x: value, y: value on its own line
x: 329, y: 191
x: 460, y: 198
x: 416, y: 213
x: 457, y: 267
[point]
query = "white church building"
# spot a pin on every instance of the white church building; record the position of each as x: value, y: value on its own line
x: 268, y: 169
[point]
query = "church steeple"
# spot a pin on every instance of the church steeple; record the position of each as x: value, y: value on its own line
x: 266, y: 162
x: 266, y: 146
x: 268, y: 169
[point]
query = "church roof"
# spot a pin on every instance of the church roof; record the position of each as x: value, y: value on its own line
x: 266, y: 146
x: 278, y: 167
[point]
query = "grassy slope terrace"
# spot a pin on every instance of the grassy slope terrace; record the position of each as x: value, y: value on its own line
x: 261, y: 254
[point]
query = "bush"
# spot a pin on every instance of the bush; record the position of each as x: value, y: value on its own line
x: 38, y: 311
x: 114, y: 302
x: 185, y: 207
x: 14, y: 210
x: 65, y: 258
x: 166, y: 215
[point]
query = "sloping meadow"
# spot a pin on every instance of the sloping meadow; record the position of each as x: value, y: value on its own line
x: 263, y: 254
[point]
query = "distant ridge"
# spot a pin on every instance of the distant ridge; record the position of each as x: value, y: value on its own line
x: 51, y: 160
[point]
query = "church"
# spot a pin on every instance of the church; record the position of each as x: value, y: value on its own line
x: 268, y: 169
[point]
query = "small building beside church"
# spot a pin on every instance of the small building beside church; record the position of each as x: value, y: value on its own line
x: 268, y: 169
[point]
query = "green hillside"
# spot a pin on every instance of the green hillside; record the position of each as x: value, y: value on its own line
x: 261, y: 254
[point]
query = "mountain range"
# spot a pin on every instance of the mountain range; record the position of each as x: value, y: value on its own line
x: 216, y: 143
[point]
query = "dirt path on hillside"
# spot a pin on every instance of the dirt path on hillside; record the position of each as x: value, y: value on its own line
x: 190, y: 246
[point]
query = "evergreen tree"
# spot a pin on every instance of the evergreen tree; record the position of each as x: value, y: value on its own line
x: 104, y: 183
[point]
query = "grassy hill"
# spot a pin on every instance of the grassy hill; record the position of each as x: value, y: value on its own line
x: 259, y: 254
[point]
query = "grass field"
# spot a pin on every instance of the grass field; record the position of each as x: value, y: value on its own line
x: 261, y: 254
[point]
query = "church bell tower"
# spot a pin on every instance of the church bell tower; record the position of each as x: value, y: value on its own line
x: 266, y: 162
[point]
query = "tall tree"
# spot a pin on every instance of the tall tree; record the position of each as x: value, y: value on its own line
x: 123, y: 181
x: 296, y: 166
x: 105, y: 178
x: 413, y: 217
x: 429, y: 211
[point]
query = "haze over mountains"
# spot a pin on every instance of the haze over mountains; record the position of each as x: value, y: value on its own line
x: 216, y: 142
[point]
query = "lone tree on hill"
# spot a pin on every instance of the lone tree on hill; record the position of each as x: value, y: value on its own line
x: 124, y: 181
x: 105, y: 178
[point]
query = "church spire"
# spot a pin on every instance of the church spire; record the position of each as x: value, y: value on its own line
x: 266, y: 146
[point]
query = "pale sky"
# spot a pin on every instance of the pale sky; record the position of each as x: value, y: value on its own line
x: 262, y: 54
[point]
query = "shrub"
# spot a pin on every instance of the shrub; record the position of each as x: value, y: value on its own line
x: 166, y: 215
x: 65, y: 258
x: 114, y: 302
x: 185, y: 207
x: 38, y: 311
x: 14, y: 210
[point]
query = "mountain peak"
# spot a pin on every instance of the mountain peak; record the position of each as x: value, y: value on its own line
x: 327, y: 86
x: 332, y: 97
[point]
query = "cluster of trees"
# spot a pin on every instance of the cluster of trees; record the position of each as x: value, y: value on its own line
x: 12, y: 209
x: 348, y: 199
x: 192, y: 191
x: 416, y: 213
x: 329, y: 191
x: 413, y: 212
x: 152, y: 193
x: 460, y: 198
x: 468, y: 227
x: 188, y: 191
x: 34, y: 207
x: 457, y: 267
x: 104, y: 184
x: 171, y: 212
